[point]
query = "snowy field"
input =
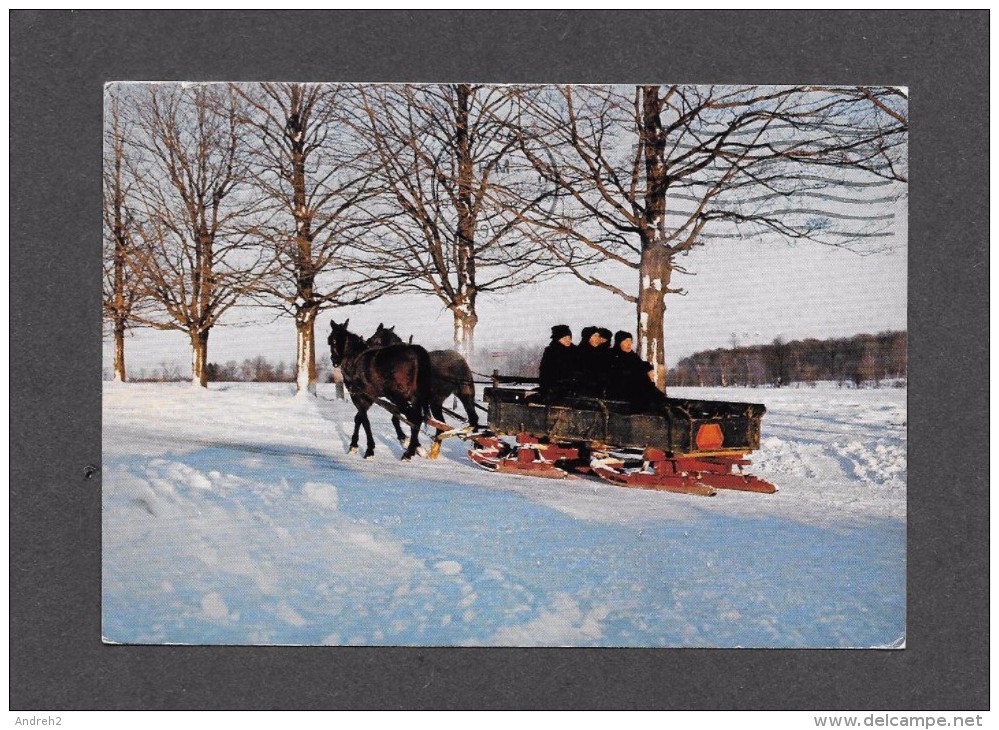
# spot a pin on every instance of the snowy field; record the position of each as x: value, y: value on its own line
x: 235, y: 516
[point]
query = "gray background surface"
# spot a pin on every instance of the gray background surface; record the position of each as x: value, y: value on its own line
x: 58, y: 64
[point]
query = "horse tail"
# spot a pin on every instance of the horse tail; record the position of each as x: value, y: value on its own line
x: 424, y: 381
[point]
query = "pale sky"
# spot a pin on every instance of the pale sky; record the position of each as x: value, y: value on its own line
x: 750, y: 291
x: 758, y: 291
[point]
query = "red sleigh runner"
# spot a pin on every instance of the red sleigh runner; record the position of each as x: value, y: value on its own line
x: 688, y: 446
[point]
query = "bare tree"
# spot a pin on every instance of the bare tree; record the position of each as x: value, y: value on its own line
x: 779, y: 361
x: 654, y: 171
x: 122, y: 290
x: 316, y: 176
x: 192, y: 251
x: 445, y: 152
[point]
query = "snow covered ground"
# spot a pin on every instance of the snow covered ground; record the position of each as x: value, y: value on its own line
x: 235, y: 516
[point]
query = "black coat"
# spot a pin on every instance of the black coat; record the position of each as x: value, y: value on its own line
x: 629, y: 365
x: 594, y: 369
x: 559, y: 366
x: 630, y: 376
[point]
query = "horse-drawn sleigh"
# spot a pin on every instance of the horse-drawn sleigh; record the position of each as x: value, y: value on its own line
x: 690, y: 446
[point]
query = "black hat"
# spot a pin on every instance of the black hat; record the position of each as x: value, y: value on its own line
x: 621, y: 336
x: 561, y: 330
x: 585, y: 333
x: 605, y: 333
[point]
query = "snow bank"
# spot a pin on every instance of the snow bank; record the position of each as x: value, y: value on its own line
x: 234, y: 515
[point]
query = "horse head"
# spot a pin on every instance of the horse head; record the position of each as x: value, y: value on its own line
x: 384, y: 336
x: 343, y: 343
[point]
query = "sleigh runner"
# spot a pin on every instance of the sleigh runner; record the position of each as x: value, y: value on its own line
x: 690, y: 446
x: 681, y: 445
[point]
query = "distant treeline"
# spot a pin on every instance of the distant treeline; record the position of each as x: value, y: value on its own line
x: 858, y: 360
x: 251, y: 370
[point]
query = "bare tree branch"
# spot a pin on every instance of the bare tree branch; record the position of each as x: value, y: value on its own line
x: 447, y: 153
x: 645, y: 174
x: 193, y: 254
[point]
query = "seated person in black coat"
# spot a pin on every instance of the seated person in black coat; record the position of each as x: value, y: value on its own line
x: 632, y: 376
x: 594, y: 357
x: 559, y: 366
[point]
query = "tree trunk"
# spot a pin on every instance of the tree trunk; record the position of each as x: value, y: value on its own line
x: 305, y: 361
x: 307, y: 308
x: 201, y: 301
x: 119, y: 350
x: 654, y: 275
x: 199, y: 358
x: 337, y: 377
x: 655, y: 266
x: 464, y: 330
x: 121, y: 312
x: 465, y: 318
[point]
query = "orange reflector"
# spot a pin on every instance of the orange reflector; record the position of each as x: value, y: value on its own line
x: 709, y: 436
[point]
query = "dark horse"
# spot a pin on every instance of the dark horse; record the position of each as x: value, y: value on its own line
x: 450, y: 375
x: 399, y: 374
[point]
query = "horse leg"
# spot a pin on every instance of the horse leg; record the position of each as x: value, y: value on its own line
x: 361, y: 419
x: 438, y: 413
x: 415, y: 417
x: 370, y: 452
x: 467, y: 397
x: 358, y: 419
x: 399, y: 434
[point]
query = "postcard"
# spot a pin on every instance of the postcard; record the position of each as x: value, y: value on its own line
x: 477, y: 364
